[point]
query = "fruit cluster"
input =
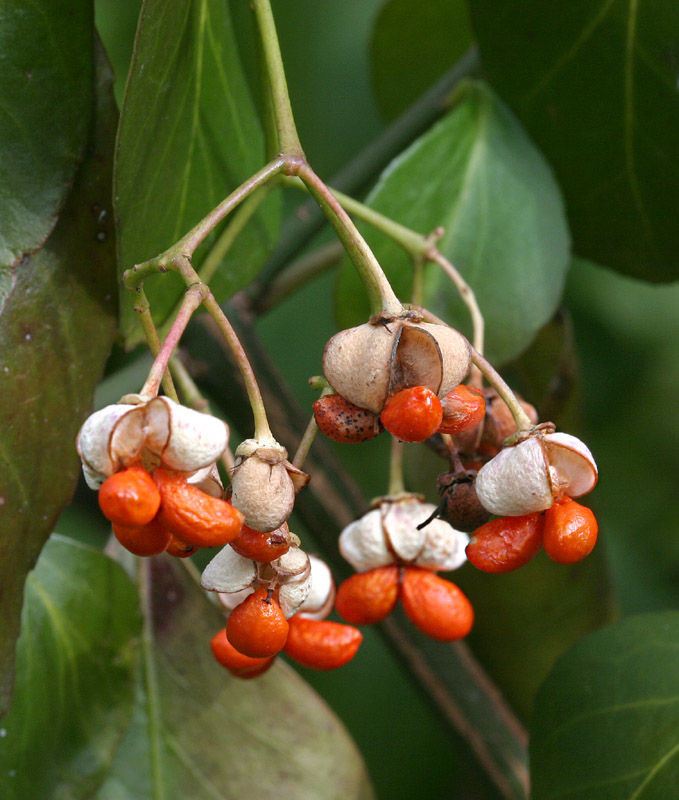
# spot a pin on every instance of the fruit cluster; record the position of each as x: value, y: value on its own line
x: 154, y: 464
x: 395, y: 556
x: 277, y: 605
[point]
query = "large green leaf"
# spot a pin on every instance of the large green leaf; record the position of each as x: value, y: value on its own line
x: 56, y: 326
x: 46, y: 78
x: 412, y: 46
x: 477, y: 174
x: 606, y: 721
x: 76, y: 662
x: 596, y: 87
x: 188, y: 136
x: 203, y: 734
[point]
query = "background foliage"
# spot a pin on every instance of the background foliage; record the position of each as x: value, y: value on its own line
x: 565, y: 155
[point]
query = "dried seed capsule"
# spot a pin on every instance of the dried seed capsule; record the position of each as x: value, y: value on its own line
x: 257, y: 627
x: 373, y: 361
x: 92, y: 444
x: 363, y: 545
x: 344, y: 422
x: 506, y: 543
x: 320, y: 644
x: 183, y: 439
x: 460, y: 505
x: 228, y: 572
x: 294, y: 575
x: 158, y: 431
x: 368, y: 597
x: 435, y: 606
x: 261, y: 487
x: 321, y: 598
x: 193, y: 516
x: 130, y: 497
x: 530, y: 475
x: 571, y: 531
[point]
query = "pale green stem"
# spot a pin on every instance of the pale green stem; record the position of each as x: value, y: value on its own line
x: 262, y: 429
x: 191, y: 395
x: 193, y: 297
x: 187, y: 245
x: 523, y: 421
x: 305, y: 443
x: 396, y: 482
x: 151, y: 681
x: 288, y: 139
x: 143, y: 308
x: 466, y: 293
x: 380, y: 293
x: 417, y: 246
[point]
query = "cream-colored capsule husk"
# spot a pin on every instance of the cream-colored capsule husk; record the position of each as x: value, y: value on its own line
x: 184, y: 439
x: 294, y: 571
x: 357, y: 364
x: 92, y: 442
x: 573, y: 469
x: 363, y: 545
x: 375, y: 360
x: 230, y: 600
x: 399, y: 523
x: 455, y: 355
x: 208, y: 480
x: 228, y: 572
x: 528, y: 477
x: 444, y: 546
x: 262, y: 489
x: 321, y: 597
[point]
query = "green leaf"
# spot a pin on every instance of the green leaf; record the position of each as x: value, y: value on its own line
x: 46, y: 78
x: 188, y: 136
x: 596, y: 87
x: 526, y: 619
x: 606, y: 722
x: 75, y: 675
x: 412, y: 46
x: 57, y: 321
x: 478, y: 175
x: 201, y: 733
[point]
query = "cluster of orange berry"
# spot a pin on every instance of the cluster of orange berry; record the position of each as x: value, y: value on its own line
x: 387, y: 377
x: 153, y: 462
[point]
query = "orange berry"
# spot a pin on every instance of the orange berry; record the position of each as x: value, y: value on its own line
x: 129, y: 497
x: 192, y: 515
x: 145, y: 540
x: 435, y: 606
x: 506, y: 543
x: 570, y: 531
x: 413, y: 414
x: 344, y: 422
x: 259, y: 546
x: 463, y: 408
x: 239, y: 665
x: 368, y: 597
x: 321, y: 644
x: 180, y: 549
x: 257, y: 627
